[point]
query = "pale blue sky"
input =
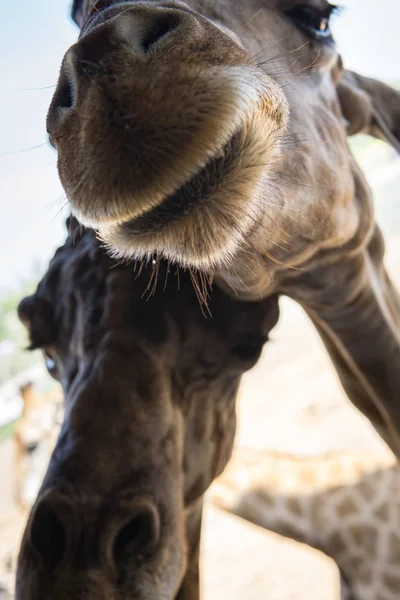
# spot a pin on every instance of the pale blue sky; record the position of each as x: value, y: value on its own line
x: 35, y: 34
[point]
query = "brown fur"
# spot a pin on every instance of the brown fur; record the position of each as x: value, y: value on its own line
x: 215, y: 134
x: 150, y: 388
x: 178, y: 139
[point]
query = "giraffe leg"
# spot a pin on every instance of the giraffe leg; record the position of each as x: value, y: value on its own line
x: 190, y: 588
x: 356, y: 310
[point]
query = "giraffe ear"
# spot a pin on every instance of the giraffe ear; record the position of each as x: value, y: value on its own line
x: 37, y: 316
x: 82, y: 8
x: 370, y: 106
x: 78, y: 12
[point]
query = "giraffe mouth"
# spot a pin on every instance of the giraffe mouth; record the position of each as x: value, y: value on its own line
x: 204, y: 221
x: 189, y: 197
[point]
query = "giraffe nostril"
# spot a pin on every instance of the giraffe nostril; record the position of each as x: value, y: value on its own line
x: 63, y: 100
x: 134, y: 534
x: 158, y: 30
x: 137, y: 535
x: 144, y: 30
x: 66, y: 95
x: 51, y: 528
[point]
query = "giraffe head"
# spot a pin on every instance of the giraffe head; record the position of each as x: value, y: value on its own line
x: 195, y: 130
x: 108, y: 519
x: 144, y: 432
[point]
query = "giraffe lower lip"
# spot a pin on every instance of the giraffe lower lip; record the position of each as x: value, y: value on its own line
x: 188, y: 196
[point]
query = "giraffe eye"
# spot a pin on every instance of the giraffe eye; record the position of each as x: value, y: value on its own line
x: 51, y: 364
x: 315, y: 23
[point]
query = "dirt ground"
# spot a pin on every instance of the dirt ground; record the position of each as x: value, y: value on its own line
x: 291, y: 401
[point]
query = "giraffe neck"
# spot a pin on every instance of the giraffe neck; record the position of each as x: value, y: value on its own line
x: 346, y: 504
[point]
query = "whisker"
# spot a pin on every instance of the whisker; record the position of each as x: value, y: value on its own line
x: 167, y: 275
x: 23, y: 150
x: 149, y: 285
x: 58, y: 214
x: 202, y: 298
x: 254, y: 16
x: 282, y: 55
x: 57, y: 201
x: 36, y: 89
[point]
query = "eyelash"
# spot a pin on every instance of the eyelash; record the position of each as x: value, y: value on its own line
x: 313, y: 22
x: 334, y: 9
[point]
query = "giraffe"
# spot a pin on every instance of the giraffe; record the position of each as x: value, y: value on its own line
x: 329, y: 502
x: 346, y: 504
x: 177, y: 141
x: 34, y: 438
x: 149, y: 389
x: 213, y: 133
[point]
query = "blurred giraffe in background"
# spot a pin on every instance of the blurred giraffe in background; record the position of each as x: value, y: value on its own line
x: 34, y: 438
x: 346, y: 504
